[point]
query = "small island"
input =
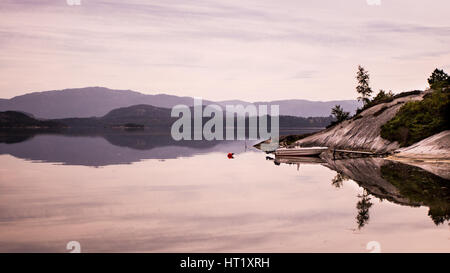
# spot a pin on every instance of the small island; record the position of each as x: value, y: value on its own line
x: 19, y: 120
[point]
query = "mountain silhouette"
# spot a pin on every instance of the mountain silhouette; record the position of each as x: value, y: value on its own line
x: 98, y: 101
x: 13, y: 119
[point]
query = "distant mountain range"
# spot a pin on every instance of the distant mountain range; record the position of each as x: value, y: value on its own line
x: 141, y: 116
x: 137, y: 115
x: 98, y: 101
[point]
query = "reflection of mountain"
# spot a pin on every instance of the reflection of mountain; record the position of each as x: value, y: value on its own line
x: 398, y: 183
x: 12, y: 119
x: 100, y: 146
x: 106, y: 148
x: 8, y: 138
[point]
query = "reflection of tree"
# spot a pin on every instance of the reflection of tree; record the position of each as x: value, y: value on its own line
x: 438, y: 215
x: 338, y: 179
x: 363, y: 207
x: 399, y: 183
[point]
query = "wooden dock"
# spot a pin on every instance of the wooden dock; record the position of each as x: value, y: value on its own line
x: 350, y: 152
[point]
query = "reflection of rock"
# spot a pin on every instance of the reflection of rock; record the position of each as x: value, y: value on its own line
x: 367, y: 173
x: 439, y: 168
x: 421, y: 186
x: 431, y: 154
x: 399, y: 183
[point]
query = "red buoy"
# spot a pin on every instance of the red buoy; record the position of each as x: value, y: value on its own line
x: 230, y: 155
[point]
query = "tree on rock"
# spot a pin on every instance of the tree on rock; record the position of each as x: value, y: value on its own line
x: 363, y: 87
x: 438, y: 79
x: 338, y: 112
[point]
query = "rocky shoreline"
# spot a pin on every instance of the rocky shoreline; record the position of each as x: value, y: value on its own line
x: 362, y: 132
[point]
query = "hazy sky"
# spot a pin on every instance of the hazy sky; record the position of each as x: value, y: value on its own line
x: 222, y: 49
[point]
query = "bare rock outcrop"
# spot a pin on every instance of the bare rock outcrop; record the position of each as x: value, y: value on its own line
x: 362, y: 132
x: 431, y: 154
x: 434, y: 147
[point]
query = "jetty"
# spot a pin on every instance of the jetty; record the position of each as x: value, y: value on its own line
x: 360, y: 153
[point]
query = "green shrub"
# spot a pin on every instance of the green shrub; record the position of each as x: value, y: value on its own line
x: 417, y: 120
x: 383, y: 97
x: 439, y: 79
x: 340, y: 115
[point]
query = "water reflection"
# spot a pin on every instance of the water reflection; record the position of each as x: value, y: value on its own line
x: 388, y: 180
x: 102, y: 147
x: 199, y: 200
x: 339, y: 179
x: 363, y: 207
x: 108, y: 148
x: 421, y: 187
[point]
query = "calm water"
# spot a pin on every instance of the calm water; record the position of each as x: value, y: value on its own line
x: 135, y: 192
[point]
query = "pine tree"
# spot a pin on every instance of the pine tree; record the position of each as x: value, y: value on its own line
x: 363, y: 87
x: 439, y: 79
x: 338, y: 112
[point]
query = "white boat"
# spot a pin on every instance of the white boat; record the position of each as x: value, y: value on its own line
x: 298, y: 159
x: 300, y: 151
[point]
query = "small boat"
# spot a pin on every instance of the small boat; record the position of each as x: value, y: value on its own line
x: 299, y: 160
x: 300, y: 151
